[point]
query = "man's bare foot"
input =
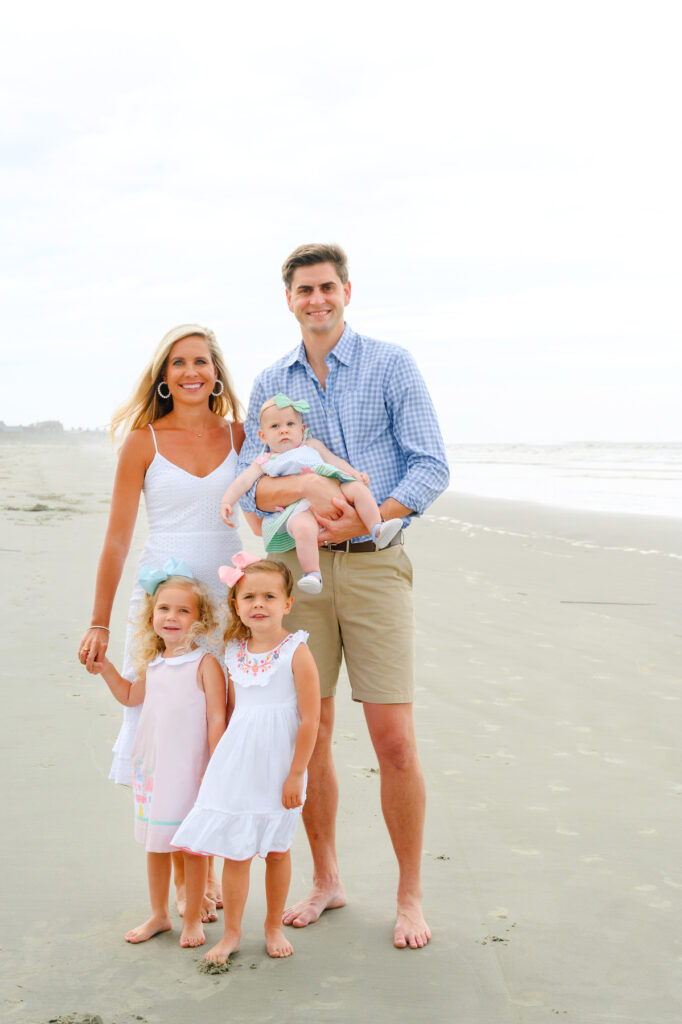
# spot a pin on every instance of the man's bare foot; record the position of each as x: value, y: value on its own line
x: 410, y: 927
x: 208, y: 911
x: 228, y: 945
x: 277, y: 943
x: 192, y: 935
x: 181, y: 899
x: 156, y: 923
x: 319, y: 899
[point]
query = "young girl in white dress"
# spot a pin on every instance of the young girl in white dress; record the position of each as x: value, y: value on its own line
x: 254, y: 788
x: 283, y: 431
x: 182, y: 720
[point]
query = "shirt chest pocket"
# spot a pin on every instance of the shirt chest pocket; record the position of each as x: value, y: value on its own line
x: 365, y: 417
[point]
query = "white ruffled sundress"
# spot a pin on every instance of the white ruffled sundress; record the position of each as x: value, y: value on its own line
x: 238, y: 812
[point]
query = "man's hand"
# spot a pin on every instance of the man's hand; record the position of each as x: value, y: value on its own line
x: 324, y: 495
x: 344, y: 525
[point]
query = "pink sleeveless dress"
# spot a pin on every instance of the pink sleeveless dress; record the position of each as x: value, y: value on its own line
x: 170, y: 752
x: 183, y: 513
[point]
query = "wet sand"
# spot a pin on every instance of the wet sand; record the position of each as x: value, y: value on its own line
x: 548, y: 716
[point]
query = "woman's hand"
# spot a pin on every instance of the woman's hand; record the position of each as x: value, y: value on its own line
x: 93, y: 648
x: 292, y: 791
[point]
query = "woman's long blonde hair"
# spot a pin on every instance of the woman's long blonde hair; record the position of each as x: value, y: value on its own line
x: 146, y: 406
x: 148, y: 645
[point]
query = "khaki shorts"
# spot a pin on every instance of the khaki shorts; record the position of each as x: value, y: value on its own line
x: 366, y: 613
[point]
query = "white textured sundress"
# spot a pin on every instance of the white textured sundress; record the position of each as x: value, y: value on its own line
x: 183, y: 513
x: 238, y: 812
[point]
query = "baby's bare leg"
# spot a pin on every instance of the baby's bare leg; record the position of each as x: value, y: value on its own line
x: 235, y: 891
x: 196, y: 870
x: 277, y: 879
x: 304, y: 529
x: 365, y: 505
x: 158, y: 878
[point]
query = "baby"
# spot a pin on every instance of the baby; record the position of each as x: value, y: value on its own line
x: 283, y: 431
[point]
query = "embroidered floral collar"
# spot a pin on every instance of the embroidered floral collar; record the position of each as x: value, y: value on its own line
x: 255, y: 664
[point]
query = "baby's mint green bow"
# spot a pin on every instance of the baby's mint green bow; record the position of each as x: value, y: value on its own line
x: 282, y: 402
x: 150, y: 578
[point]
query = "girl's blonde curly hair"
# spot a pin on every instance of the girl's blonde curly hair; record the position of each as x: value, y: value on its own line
x: 148, y: 645
x: 236, y: 630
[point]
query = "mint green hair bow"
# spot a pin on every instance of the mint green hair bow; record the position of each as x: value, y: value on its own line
x: 282, y: 402
x: 150, y: 578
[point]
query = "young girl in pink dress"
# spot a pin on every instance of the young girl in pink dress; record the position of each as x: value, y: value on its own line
x: 183, y: 717
x: 253, y: 792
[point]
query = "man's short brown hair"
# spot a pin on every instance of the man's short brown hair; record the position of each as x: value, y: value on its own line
x: 309, y: 255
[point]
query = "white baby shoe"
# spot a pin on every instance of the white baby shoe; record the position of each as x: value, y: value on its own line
x: 383, y: 533
x: 310, y: 583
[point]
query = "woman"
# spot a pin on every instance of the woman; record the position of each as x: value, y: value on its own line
x: 181, y: 452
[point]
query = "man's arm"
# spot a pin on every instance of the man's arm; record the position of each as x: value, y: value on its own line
x: 416, y: 432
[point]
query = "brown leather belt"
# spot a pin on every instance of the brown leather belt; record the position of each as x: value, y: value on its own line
x: 359, y: 546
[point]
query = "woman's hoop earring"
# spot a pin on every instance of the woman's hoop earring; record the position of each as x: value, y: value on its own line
x: 216, y: 394
x: 159, y: 392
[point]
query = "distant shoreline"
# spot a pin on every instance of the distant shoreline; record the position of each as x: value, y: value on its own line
x: 50, y: 432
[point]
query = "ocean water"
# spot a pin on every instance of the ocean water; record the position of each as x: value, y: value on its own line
x: 643, y: 479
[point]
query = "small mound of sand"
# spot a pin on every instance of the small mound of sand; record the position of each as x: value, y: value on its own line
x: 209, y: 967
x: 77, y: 1018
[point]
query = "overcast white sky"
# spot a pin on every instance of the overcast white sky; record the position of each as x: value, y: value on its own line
x: 505, y: 178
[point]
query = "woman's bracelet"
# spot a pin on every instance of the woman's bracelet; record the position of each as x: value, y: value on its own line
x: 100, y: 627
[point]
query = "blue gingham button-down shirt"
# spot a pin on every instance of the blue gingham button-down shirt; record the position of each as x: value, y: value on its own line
x: 374, y: 411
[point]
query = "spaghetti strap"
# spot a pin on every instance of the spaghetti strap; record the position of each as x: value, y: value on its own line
x: 156, y: 447
x: 231, y: 440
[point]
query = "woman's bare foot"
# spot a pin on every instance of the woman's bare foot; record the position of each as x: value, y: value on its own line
x: 208, y: 911
x: 192, y: 935
x: 228, y: 945
x: 277, y: 943
x: 410, y: 927
x: 319, y: 899
x: 156, y: 923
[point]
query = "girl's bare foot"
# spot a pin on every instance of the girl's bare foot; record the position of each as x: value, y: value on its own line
x: 192, y: 935
x: 214, y: 891
x: 156, y: 923
x: 276, y: 943
x: 319, y: 899
x: 181, y: 899
x: 208, y: 911
x: 228, y: 945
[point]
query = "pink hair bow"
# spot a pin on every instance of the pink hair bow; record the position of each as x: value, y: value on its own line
x: 240, y: 561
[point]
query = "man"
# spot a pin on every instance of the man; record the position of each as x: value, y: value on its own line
x: 369, y: 405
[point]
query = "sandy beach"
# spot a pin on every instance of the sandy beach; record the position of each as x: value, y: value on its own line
x: 548, y: 716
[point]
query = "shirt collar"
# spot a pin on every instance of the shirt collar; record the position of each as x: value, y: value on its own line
x: 343, y: 350
x: 179, y: 659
